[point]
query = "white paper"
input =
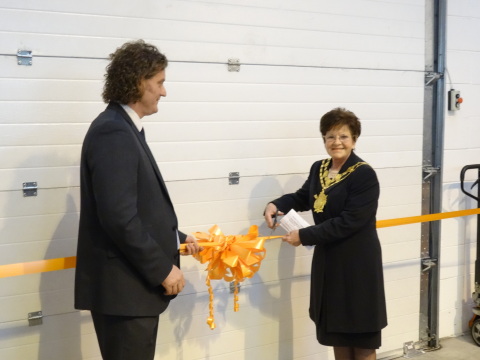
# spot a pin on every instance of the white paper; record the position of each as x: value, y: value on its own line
x: 292, y: 221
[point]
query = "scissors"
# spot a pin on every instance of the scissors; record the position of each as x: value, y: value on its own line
x: 274, y: 222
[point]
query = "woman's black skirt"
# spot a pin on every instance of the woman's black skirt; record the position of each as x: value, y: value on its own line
x: 367, y: 340
x: 370, y: 340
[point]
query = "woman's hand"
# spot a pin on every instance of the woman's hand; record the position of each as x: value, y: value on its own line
x: 192, y: 246
x: 293, y: 238
x: 271, y: 212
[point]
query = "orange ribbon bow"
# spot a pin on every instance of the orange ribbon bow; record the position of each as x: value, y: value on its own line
x: 230, y: 257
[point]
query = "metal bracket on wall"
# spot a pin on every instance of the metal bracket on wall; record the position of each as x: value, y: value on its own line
x: 233, y: 178
x: 234, y: 65
x: 409, y: 350
x: 35, y: 318
x: 30, y: 189
x: 430, y: 171
x: 232, y: 287
x: 428, y: 263
x: 24, y: 57
x: 432, y: 77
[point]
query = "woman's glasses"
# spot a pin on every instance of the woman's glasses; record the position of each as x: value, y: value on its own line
x: 333, y: 138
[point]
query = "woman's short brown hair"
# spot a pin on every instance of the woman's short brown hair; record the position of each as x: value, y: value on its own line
x: 339, y: 117
x: 130, y: 64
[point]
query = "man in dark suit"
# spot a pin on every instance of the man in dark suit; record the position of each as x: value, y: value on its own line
x: 128, y: 265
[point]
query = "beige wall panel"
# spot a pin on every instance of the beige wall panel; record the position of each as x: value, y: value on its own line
x: 201, y: 209
x: 47, y: 201
x: 285, y: 93
x: 47, y: 177
x: 405, y: 250
x: 92, y: 69
x: 459, y: 236
x: 256, y: 121
x: 14, y: 253
x: 399, y: 195
x: 392, y: 342
x: 253, y: 209
x: 50, y: 112
x: 215, y: 189
x: 399, y: 234
x: 455, y: 260
x: 174, y: 171
x: 56, y: 339
x: 38, y: 228
x: 396, y: 176
x: 89, y: 90
x: 267, y: 284
x: 59, y: 145
x: 47, y: 68
x: 71, y: 45
x: 315, y: 75
x: 305, y: 26
x: 403, y: 306
x: 261, y: 121
x: 399, y: 39
x: 455, y: 160
x: 398, y: 211
x: 39, y: 156
x: 243, y: 149
x: 454, y: 313
x: 377, y: 118
x: 18, y: 307
x: 391, y: 114
x: 52, y: 281
x: 401, y: 325
x: 460, y: 231
x: 401, y: 278
x: 250, y: 12
x: 43, y: 134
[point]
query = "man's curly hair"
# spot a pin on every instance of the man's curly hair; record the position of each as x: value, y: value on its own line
x: 130, y: 64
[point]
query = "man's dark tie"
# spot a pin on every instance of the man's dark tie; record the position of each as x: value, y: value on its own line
x: 142, y: 133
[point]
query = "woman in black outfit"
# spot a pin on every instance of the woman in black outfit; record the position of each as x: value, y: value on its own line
x: 347, y: 298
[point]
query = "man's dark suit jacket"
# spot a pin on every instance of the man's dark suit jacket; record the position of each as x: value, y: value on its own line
x: 127, y: 241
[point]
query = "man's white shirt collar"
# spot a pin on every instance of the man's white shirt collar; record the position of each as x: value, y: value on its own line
x: 134, y: 116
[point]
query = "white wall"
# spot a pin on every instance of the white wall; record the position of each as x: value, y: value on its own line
x: 462, y: 147
x: 299, y: 60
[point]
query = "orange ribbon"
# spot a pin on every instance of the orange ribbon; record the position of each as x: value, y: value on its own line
x: 230, y: 257
x: 426, y: 218
x: 247, y: 262
x: 39, y: 266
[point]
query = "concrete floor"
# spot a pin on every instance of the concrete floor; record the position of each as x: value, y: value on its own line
x: 453, y: 348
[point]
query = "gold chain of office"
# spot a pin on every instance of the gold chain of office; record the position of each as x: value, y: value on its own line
x: 326, y: 182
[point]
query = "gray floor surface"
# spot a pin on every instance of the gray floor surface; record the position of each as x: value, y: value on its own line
x: 453, y: 348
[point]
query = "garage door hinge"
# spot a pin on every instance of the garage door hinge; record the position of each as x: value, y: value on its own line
x: 234, y: 65
x: 232, y: 287
x: 430, y: 171
x: 409, y: 350
x: 234, y: 178
x: 35, y: 318
x: 432, y: 77
x: 428, y: 263
x: 30, y: 189
x: 24, y: 57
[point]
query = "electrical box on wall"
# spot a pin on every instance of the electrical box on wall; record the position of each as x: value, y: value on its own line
x: 454, y: 100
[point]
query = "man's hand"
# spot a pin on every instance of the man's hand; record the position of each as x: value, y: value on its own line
x: 293, y: 238
x: 175, y: 282
x: 191, y: 247
x: 270, y: 212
